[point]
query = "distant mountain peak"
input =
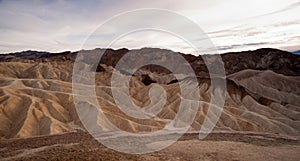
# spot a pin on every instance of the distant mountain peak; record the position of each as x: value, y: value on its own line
x: 297, y: 52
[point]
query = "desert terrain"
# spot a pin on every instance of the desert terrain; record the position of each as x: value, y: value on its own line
x: 260, y: 119
x: 217, y: 146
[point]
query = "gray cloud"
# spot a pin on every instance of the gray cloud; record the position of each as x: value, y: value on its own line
x: 64, y: 25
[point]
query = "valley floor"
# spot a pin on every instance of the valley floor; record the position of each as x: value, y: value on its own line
x: 217, y: 146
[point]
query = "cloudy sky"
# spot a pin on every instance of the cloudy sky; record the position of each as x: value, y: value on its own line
x: 232, y: 25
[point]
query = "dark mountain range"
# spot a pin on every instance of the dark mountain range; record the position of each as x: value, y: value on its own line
x: 296, y: 52
x: 279, y: 61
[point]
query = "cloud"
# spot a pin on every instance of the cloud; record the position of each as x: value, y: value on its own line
x: 294, y: 5
x: 64, y: 25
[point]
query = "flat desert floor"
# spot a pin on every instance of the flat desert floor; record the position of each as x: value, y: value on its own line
x: 217, y: 146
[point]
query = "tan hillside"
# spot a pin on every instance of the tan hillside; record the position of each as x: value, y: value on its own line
x: 36, y: 99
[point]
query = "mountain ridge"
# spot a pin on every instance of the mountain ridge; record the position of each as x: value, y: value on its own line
x: 279, y: 61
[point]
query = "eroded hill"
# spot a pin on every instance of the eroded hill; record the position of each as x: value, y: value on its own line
x: 263, y: 93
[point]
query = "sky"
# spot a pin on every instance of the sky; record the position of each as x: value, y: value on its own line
x: 65, y: 25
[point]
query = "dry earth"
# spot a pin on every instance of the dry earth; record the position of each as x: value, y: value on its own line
x: 217, y: 146
x: 262, y: 100
x: 36, y: 99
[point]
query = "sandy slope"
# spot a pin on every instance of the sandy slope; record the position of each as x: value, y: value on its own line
x: 36, y: 99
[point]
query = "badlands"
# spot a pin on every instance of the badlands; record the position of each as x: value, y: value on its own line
x: 260, y: 119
